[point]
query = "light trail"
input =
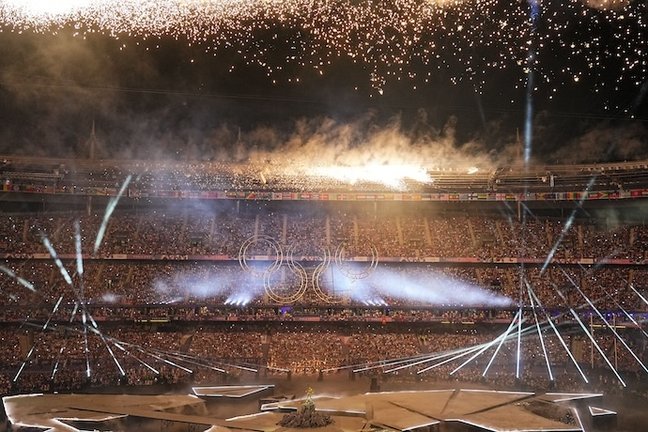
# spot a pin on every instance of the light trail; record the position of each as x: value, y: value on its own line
x: 560, y: 338
x: 33, y: 347
x: 95, y: 329
x: 195, y: 360
x: 85, y: 342
x: 534, y: 9
x: 17, y: 278
x: 616, y: 303
x: 607, y: 324
x: 224, y: 364
x: 77, y: 244
x: 378, y: 363
x: 85, y: 313
x: 169, y: 362
x: 24, y: 363
x: 478, y: 353
x: 57, y: 261
x: 568, y: 224
x: 142, y: 362
x: 519, y: 343
x: 195, y: 363
x: 56, y: 364
x: 58, y: 357
x: 381, y: 364
x: 639, y: 294
x: 598, y: 348
x: 508, y: 331
x: 456, y: 357
x: 429, y: 359
x: 112, y: 204
x: 535, y: 316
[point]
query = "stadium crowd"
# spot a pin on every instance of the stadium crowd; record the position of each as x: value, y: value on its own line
x: 223, y: 231
x: 56, y: 360
x: 158, y: 268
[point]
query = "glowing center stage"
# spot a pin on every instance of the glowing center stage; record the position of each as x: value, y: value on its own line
x: 432, y: 410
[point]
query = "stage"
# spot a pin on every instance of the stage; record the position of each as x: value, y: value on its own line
x: 415, y: 410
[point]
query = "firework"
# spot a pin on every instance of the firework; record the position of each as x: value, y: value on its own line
x: 400, y: 40
x: 393, y: 176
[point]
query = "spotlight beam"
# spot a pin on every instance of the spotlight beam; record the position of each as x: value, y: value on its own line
x: 17, y: 278
x: 639, y: 294
x: 501, y: 342
x: 568, y: 224
x: 58, y: 357
x: 57, y: 260
x: 607, y: 324
x: 560, y: 338
x: 33, y: 347
x: 79, y: 294
x: 191, y: 360
x: 429, y: 359
x: 85, y: 342
x: 142, y: 362
x: 169, y: 362
x: 112, y: 204
x: 379, y: 363
x: 77, y: 244
x: 95, y: 330
x: 484, y: 348
x: 519, y: 343
x: 535, y: 316
x: 598, y: 348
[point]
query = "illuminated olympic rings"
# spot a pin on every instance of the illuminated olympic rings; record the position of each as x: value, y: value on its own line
x: 280, y: 258
x: 317, y: 273
x: 287, y: 259
x: 268, y: 241
x: 297, y: 270
x: 344, y: 267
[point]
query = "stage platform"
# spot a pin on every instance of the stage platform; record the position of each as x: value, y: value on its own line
x: 427, y: 410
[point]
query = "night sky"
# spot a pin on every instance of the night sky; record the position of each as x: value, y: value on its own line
x: 172, y: 96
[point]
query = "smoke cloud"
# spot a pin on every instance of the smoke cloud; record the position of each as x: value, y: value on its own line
x: 433, y: 288
x: 56, y: 86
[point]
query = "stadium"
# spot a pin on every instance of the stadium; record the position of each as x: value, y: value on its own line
x: 161, y: 269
